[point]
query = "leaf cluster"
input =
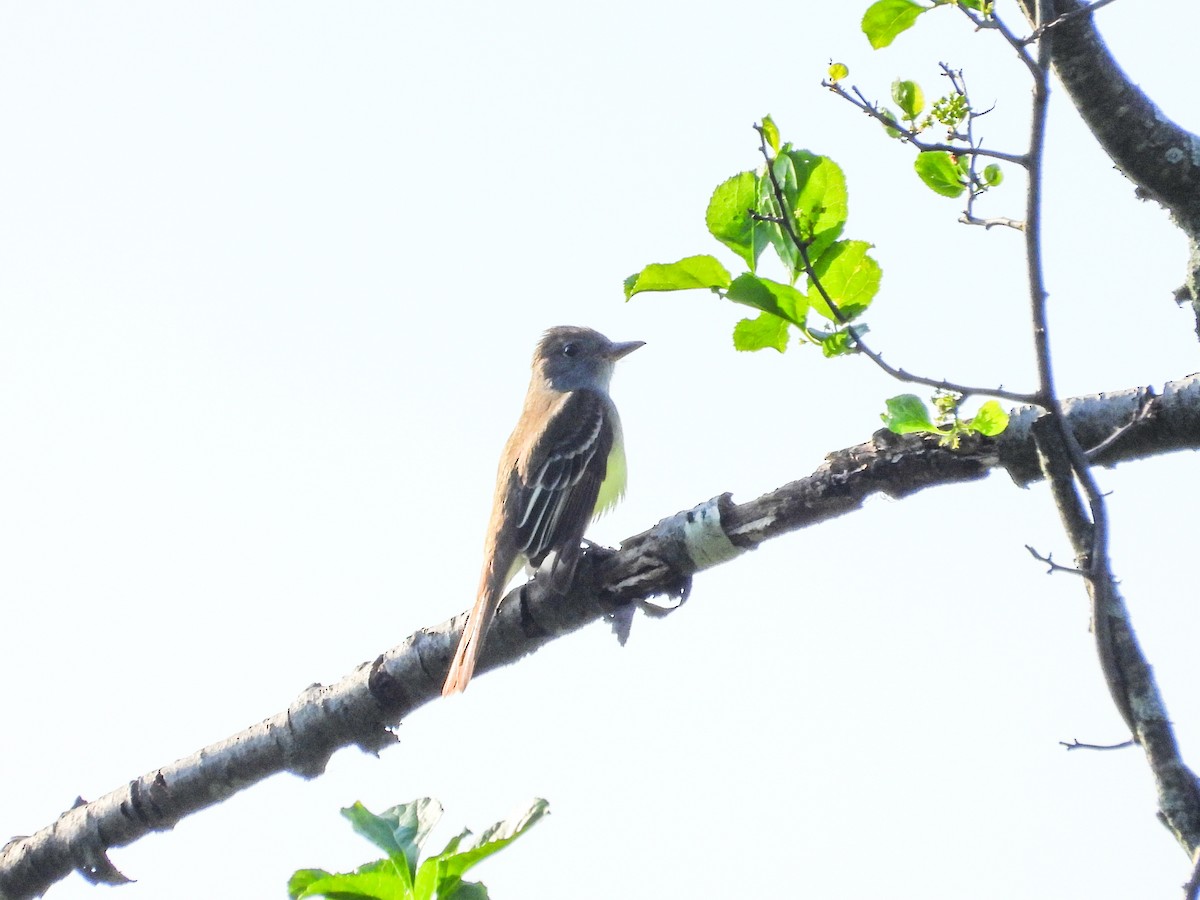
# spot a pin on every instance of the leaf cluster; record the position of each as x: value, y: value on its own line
x: 400, y: 832
x: 943, y: 171
x: 908, y: 413
x: 796, y: 205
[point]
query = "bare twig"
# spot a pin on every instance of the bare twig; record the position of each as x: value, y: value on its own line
x: 1065, y: 17
x: 975, y: 185
x: 908, y: 136
x: 992, y: 222
x: 1071, y: 472
x: 969, y: 147
x: 993, y: 21
x: 1096, y: 565
x: 1076, y: 745
x: 1051, y: 564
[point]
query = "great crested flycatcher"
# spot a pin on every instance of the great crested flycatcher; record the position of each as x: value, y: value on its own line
x: 563, y: 465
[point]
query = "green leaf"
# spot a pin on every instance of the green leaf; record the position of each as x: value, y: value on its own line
x: 299, y: 883
x: 907, y: 413
x: 468, y: 890
x: 909, y: 97
x: 729, y: 221
x: 983, y: 6
x: 466, y: 850
x: 397, y: 831
x: 940, y: 172
x: 990, y: 420
x: 838, y: 72
x: 849, y: 276
x: 781, y: 300
x: 690, y: 272
x: 429, y: 880
x: 885, y: 19
x: 771, y: 133
x: 760, y: 333
x: 992, y: 175
x: 815, y: 190
x: 401, y: 831
x: 375, y: 881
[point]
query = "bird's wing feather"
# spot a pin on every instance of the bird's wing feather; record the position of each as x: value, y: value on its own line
x: 560, y: 474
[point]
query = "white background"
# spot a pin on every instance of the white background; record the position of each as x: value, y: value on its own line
x: 270, y: 275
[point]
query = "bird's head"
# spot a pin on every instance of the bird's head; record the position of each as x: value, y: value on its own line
x: 569, y: 358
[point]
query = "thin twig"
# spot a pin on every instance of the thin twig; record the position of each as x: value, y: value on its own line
x: 1052, y: 565
x: 1065, y: 17
x: 784, y: 220
x: 907, y: 135
x: 993, y: 222
x: 975, y: 186
x: 1097, y: 566
x: 1018, y: 44
x: 1076, y: 745
x: 969, y: 147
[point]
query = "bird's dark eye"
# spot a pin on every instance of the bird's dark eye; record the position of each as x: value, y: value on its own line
x: 570, y: 349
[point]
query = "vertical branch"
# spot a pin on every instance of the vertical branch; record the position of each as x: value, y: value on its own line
x: 1085, y: 518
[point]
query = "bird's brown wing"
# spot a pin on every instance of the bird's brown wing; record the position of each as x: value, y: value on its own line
x: 559, y: 479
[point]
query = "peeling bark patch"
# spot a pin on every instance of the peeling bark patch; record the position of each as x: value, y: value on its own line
x: 388, y: 692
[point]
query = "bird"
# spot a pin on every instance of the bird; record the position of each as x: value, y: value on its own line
x: 563, y: 465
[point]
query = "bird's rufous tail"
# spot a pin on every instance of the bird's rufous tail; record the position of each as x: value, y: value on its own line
x: 478, y: 620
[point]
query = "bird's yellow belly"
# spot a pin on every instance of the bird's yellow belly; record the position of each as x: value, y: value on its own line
x: 613, y: 487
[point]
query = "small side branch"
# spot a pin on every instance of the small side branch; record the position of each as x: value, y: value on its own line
x: 1077, y: 745
x: 1052, y: 566
x: 1063, y: 19
x: 994, y: 22
x: 908, y: 136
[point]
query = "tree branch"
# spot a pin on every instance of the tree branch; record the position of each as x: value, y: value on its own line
x: 1153, y: 151
x: 908, y: 136
x: 1084, y: 513
x: 361, y: 709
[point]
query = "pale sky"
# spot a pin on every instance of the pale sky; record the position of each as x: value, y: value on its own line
x: 270, y: 275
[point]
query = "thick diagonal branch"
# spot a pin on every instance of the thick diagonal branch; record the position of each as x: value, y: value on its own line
x: 361, y: 709
x: 1156, y: 153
